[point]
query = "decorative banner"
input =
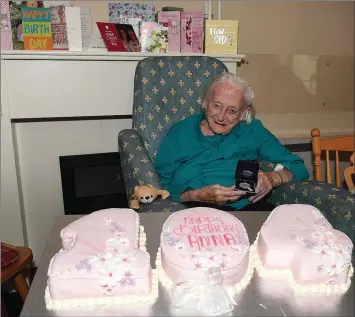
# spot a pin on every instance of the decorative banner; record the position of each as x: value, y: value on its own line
x: 36, y: 26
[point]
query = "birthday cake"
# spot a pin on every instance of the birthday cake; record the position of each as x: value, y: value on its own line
x: 103, y: 261
x: 197, y: 239
x: 297, y: 243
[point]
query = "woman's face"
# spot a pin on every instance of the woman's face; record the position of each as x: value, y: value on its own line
x: 225, y: 108
x: 123, y: 34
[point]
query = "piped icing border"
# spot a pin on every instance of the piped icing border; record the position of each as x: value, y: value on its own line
x: 53, y: 304
x: 286, y: 274
x: 232, y: 290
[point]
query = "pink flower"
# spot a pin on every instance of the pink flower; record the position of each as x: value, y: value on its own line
x: 108, y: 291
x: 321, y: 249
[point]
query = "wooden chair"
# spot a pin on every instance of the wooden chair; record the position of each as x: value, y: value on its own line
x: 14, y: 270
x: 348, y: 172
x: 340, y: 144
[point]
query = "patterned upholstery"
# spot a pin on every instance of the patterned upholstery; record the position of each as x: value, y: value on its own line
x: 166, y: 90
x: 169, y: 89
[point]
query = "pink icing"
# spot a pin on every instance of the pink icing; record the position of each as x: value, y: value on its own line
x: 298, y: 237
x: 100, y: 258
x: 196, y: 239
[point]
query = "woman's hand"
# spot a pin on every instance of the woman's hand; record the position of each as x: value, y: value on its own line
x: 217, y: 194
x: 263, y: 187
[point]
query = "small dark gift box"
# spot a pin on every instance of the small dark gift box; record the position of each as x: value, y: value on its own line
x: 246, y: 176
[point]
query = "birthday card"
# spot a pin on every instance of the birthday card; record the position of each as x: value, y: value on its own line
x: 36, y: 28
x: 221, y: 37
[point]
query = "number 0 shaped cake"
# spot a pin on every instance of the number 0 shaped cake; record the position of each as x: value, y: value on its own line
x: 197, y: 239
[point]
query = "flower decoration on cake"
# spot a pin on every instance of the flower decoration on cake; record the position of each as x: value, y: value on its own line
x: 108, y: 291
x: 127, y: 279
x: 109, y: 275
x: 320, y: 221
x: 208, y: 259
x: 84, y: 264
x: 239, y: 245
x: 323, y: 242
x: 114, y: 226
x: 171, y: 240
x: 125, y: 258
x: 324, y: 237
x: 117, y: 242
x: 114, y: 263
x: 180, y: 246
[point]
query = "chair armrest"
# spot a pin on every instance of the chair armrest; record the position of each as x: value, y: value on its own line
x: 137, y: 166
x: 337, y: 204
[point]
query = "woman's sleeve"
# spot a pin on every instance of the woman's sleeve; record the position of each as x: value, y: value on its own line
x: 165, y: 163
x: 271, y: 150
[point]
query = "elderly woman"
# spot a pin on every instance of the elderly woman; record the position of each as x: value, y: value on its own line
x: 197, y: 159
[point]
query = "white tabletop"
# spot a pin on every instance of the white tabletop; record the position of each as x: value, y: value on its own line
x: 253, y: 301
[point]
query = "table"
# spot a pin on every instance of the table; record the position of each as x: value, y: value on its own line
x: 253, y: 301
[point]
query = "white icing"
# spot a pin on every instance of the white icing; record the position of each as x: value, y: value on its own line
x: 232, y: 290
x: 314, y: 289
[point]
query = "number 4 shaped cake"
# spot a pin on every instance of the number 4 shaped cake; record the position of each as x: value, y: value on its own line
x: 297, y: 243
x: 103, y: 262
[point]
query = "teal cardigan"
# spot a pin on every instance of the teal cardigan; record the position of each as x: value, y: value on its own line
x: 187, y: 159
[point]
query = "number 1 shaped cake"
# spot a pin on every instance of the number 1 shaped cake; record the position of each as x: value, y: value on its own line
x: 103, y: 262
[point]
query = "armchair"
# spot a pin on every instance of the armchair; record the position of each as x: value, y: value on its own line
x: 169, y: 89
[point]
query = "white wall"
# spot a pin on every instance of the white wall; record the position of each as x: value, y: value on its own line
x: 39, y: 146
x: 10, y: 215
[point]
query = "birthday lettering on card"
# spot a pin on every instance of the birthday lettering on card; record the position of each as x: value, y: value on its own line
x: 221, y: 37
x: 36, y: 27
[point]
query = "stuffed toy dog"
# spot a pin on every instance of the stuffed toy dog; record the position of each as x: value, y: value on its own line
x: 145, y: 194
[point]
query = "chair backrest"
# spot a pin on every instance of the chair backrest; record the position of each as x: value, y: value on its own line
x: 167, y: 90
x: 340, y: 144
x: 348, y: 175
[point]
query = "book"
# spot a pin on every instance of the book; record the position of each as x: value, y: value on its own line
x: 119, y: 37
x: 73, y: 19
x: 171, y: 20
x: 59, y: 28
x: 192, y: 35
x: 6, y: 34
x: 36, y: 28
x: 221, y: 37
x: 153, y: 37
x: 131, y: 13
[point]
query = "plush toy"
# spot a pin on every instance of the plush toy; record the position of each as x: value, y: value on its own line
x: 145, y: 194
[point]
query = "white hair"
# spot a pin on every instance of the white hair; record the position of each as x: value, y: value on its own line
x: 239, y: 83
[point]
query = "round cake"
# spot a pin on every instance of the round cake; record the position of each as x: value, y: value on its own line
x: 197, y: 239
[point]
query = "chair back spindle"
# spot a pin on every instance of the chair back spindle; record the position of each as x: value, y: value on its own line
x: 339, y: 144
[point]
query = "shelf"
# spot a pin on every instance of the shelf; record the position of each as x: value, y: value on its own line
x: 99, y: 55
